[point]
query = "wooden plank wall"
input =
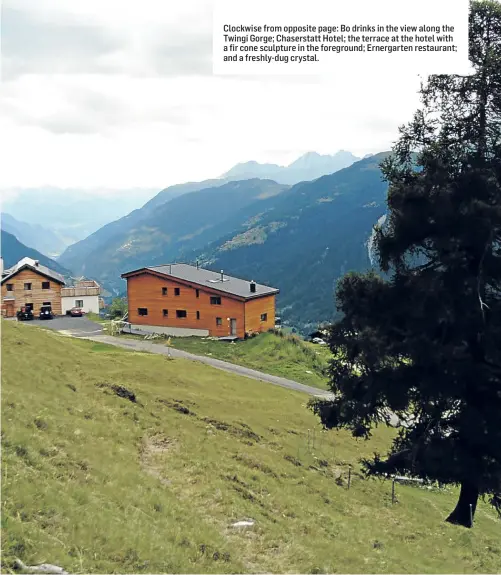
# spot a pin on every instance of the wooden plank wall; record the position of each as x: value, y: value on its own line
x: 145, y: 291
x: 253, y: 310
x: 37, y: 295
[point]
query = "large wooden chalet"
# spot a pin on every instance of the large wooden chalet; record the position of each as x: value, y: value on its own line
x: 180, y: 299
x: 32, y: 285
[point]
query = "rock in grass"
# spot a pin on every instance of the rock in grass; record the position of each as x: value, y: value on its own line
x: 43, y: 568
x: 244, y: 524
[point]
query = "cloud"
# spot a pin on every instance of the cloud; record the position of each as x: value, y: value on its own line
x: 105, y: 38
x: 92, y: 104
x: 33, y: 44
x: 107, y: 93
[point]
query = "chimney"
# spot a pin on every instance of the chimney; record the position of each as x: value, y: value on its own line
x: 170, y: 268
x: 222, y: 276
x: 37, y: 263
x: 197, y: 264
x: 253, y: 286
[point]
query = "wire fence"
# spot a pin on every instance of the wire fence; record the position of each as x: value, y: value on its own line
x: 316, y: 450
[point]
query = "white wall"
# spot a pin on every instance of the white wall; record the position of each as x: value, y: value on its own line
x: 174, y: 331
x: 90, y: 303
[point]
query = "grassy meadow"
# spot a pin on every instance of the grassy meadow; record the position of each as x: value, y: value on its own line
x: 122, y: 462
x: 282, y: 355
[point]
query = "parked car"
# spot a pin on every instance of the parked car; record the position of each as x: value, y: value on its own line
x: 46, y: 312
x: 25, y: 314
x: 76, y: 312
x: 318, y: 341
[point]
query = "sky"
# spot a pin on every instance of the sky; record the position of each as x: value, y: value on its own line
x: 119, y: 94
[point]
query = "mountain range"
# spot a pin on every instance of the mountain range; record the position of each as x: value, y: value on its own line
x: 308, y: 167
x: 33, y: 235
x: 161, y: 233
x: 299, y: 238
x: 12, y: 251
x: 68, y: 215
x: 306, y: 239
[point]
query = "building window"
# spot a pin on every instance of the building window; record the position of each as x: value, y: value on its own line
x: 45, y: 285
x: 79, y: 303
x: 198, y: 315
x: 46, y: 303
x: 215, y: 300
x: 180, y: 313
x: 177, y: 291
x: 10, y: 287
x: 219, y: 321
x: 197, y: 292
x: 164, y: 291
x: 165, y: 312
x: 27, y: 287
x: 142, y: 311
x: 264, y: 316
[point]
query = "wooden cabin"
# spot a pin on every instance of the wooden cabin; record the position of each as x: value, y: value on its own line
x: 184, y: 300
x: 32, y: 285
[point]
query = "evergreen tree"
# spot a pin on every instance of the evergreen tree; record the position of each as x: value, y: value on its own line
x: 424, y: 342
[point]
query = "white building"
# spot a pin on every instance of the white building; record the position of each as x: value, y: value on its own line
x: 84, y: 294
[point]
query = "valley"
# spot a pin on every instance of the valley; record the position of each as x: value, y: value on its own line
x: 255, y: 228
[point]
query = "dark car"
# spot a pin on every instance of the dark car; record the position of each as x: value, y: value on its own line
x: 46, y: 312
x: 25, y: 314
x: 76, y: 312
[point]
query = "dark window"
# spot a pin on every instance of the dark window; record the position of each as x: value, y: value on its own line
x: 10, y: 287
x: 219, y: 321
x: 198, y: 315
x: 177, y: 291
x: 142, y: 311
x: 180, y: 313
x: 45, y: 285
x: 46, y: 303
x: 29, y: 306
x: 164, y: 291
x: 165, y: 312
x: 197, y: 292
x: 27, y: 287
x: 264, y: 316
x: 215, y: 300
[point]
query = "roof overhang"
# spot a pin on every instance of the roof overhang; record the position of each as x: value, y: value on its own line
x: 196, y: 285
x: 36, y: 270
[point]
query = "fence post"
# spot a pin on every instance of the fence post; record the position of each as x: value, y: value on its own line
x: 349, y: 477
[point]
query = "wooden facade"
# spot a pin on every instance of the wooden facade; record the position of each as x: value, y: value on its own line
x: 155, y: 299
x: 29, y: 287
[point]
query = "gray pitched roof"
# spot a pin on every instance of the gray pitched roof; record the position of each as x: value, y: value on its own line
x: 45, y: 271
x: 203, y: 277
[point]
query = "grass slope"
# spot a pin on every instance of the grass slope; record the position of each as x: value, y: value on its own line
x: 97, y: 483
x: 274, y: 353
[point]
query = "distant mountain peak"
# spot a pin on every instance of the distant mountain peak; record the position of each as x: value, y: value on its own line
x: 308, y: 166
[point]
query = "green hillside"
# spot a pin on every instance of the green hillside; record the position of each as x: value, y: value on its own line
x: 274, y: 353
x: 97, y: 480
x: 76, y: 255
x: 309, y: 237
x: 162, y: 232
x: 12, y: 250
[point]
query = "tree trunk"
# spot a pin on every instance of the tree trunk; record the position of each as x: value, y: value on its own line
x: 464, y: 512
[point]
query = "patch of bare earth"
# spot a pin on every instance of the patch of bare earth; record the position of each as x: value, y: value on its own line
x: 151, y: 455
